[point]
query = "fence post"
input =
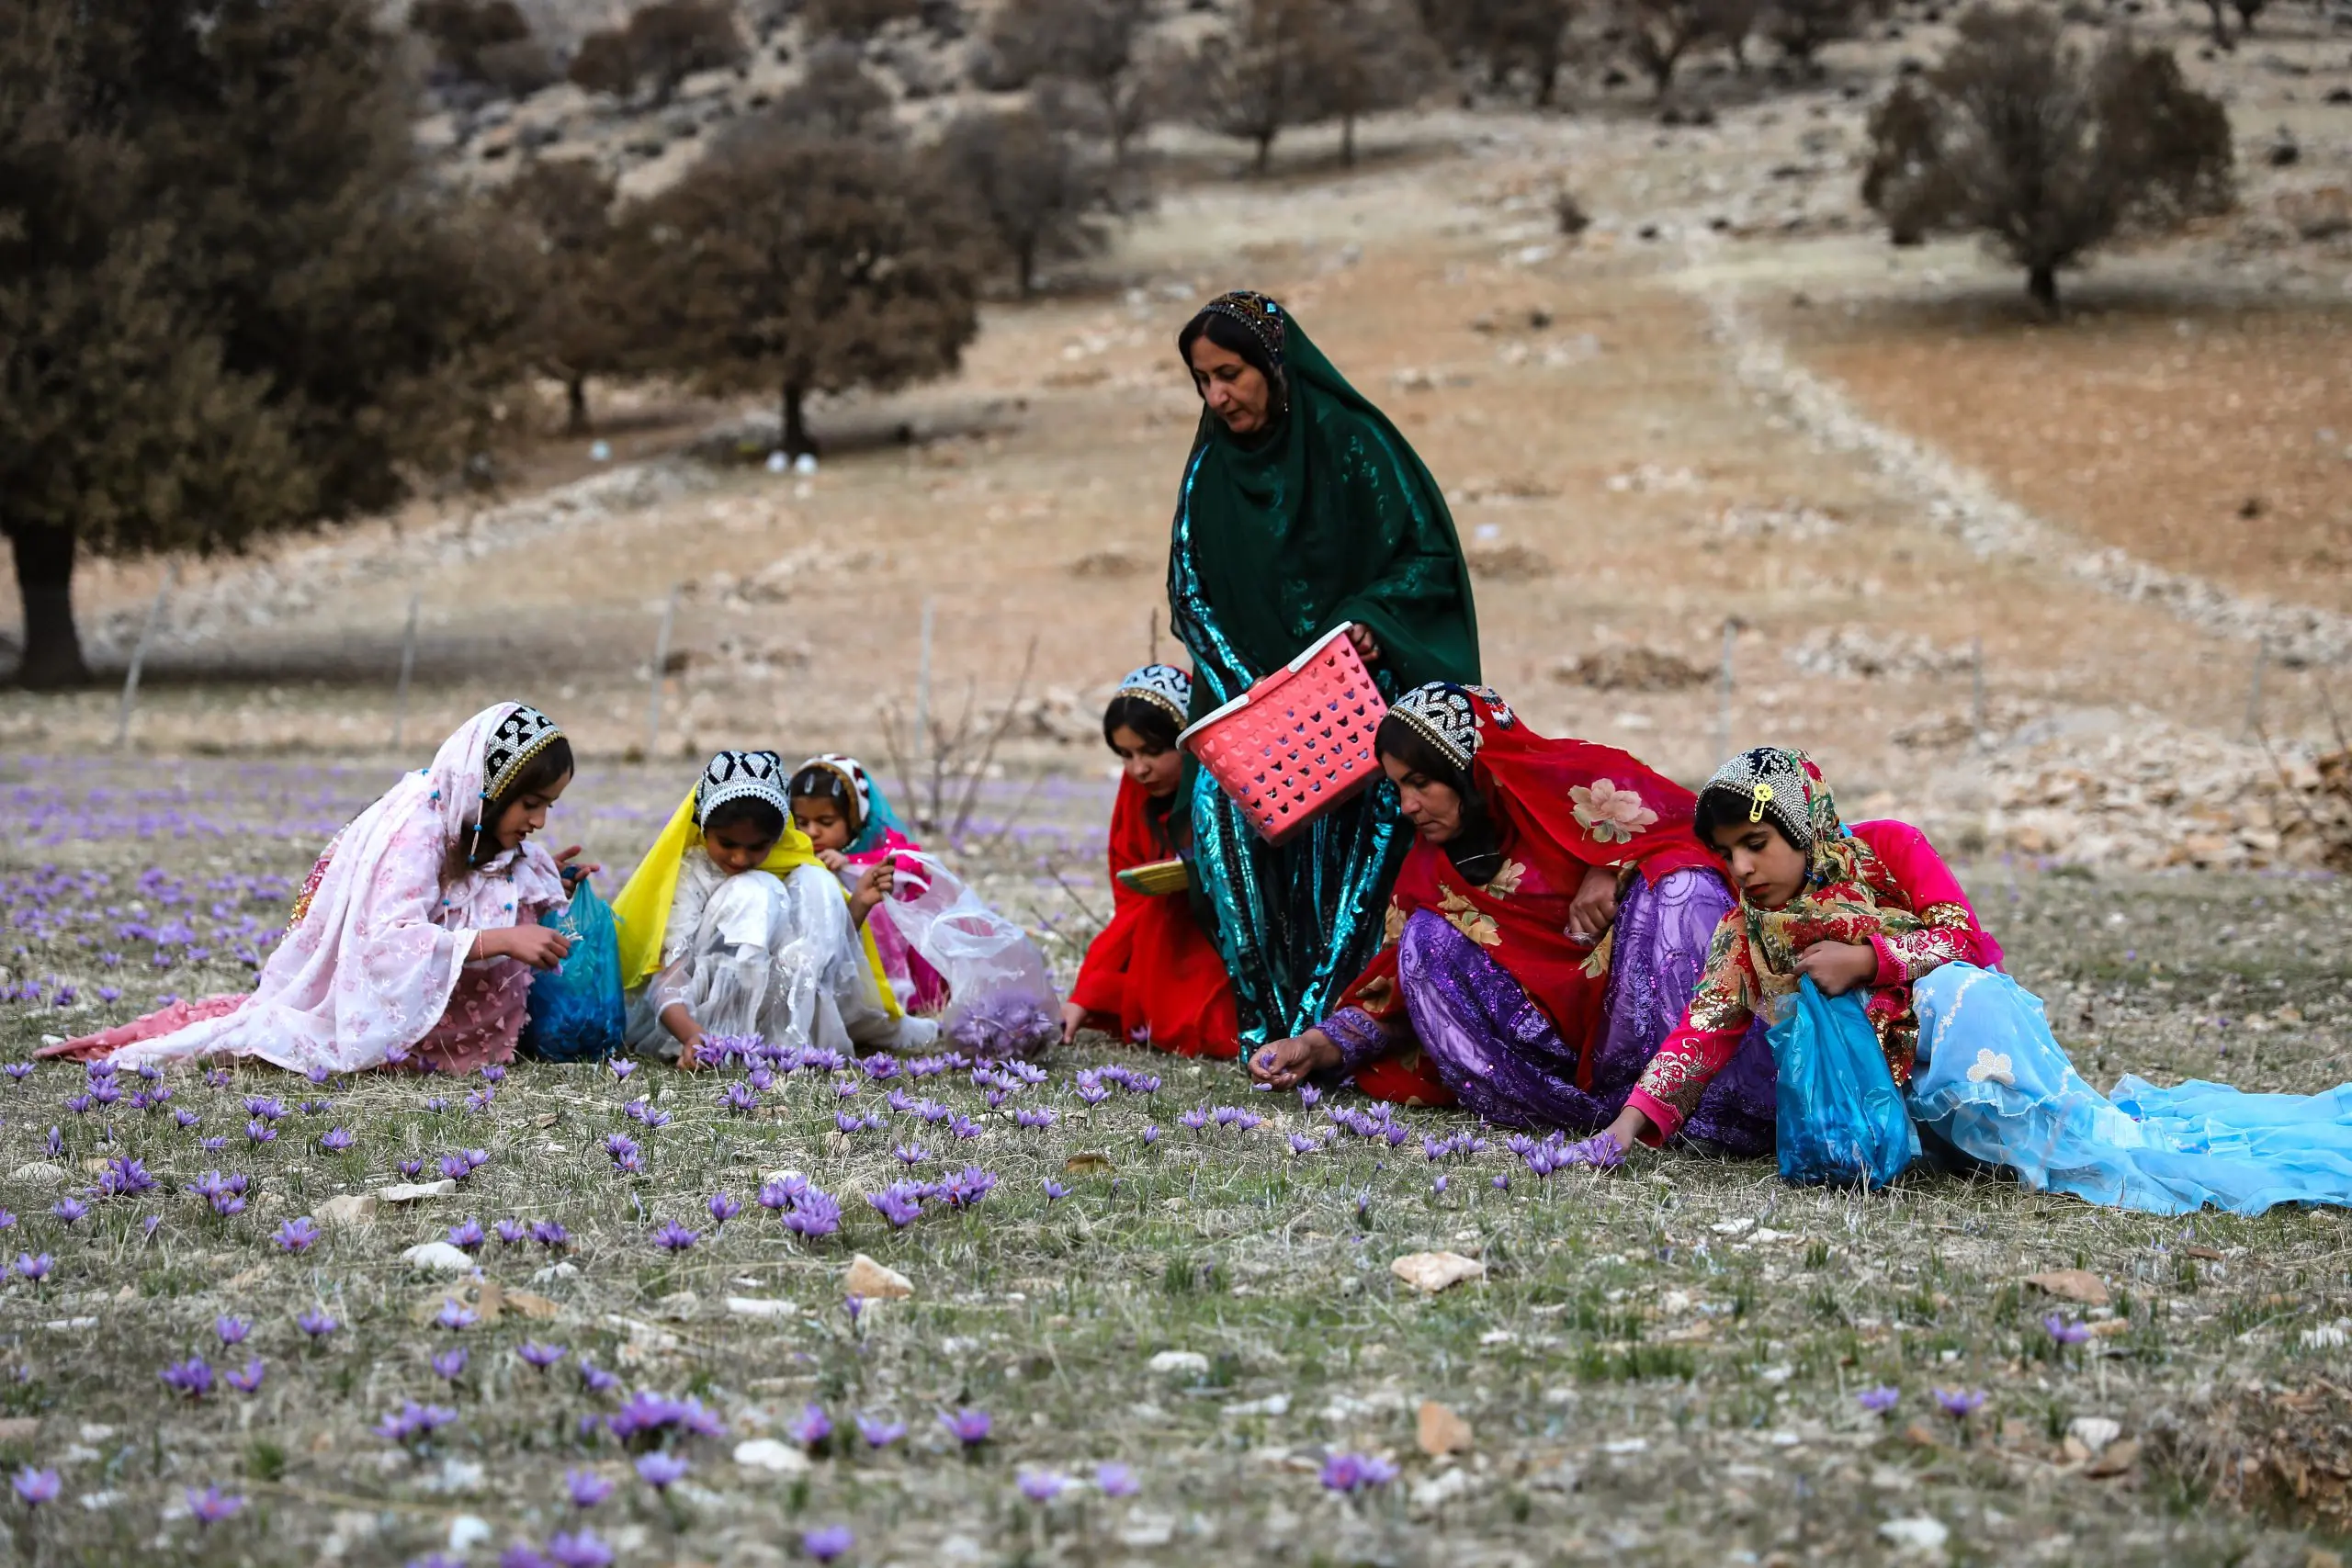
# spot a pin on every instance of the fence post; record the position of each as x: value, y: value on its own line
x: 1722, y: 700
x: 661, y: 666
x: 139, y: 654
x: 922, y: 689
x: 408, y: 668
x: 2253, y: 692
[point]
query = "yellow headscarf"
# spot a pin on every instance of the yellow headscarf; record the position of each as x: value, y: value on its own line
x: 643, y: 908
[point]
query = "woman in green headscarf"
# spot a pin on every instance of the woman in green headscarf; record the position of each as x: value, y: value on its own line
x: 1302, y: 508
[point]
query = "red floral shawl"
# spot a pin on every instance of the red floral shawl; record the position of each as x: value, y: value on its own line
x: 1558, y: 806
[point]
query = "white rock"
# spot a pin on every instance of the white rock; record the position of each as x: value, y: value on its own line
x: 1430, y: 1272
x: 1176, y: 1363
x: 1920, y: 1534
x: 39, y: 1170
x: 760, y: 1306
x: 875, y: 1281
x: 415, y: 1191
x: 766, y: 1453
x: 1435, y: 1491
x: 1273, y: 1404
x: 554, y: 1271
x: 436, y: 1258
x: 1143, y: 1530
x: 467, y: 1532
x: 2094, y: 1431
x: 349, y: 1208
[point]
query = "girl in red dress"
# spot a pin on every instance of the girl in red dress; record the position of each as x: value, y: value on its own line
x: 1153, y: 977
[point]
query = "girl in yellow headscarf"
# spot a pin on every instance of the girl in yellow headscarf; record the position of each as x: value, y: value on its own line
x: 733, y: 926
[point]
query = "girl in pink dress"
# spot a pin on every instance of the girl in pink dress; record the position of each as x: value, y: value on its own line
x: 414, y: 940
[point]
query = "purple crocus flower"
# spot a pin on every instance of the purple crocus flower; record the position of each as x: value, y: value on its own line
x: 723, y: 1208
x: 594, y: 1378
x: 1055, y: 1191
x: 69, y: 1210
x: 550, y: 1234
x: 248, y: 1381
x: 467, y: 1235
x: 899, y: 1206
x: 1151, y: 1133
x: 297, y: 1235
x: 1960, y: 1403
x: 450, y: 1365
x: 1117, y: 1480
x: 911, y: 1154
x: 970, y: 1428
x: 186, y: 1118
x: 1880, y: 1400
x: 660, y: 1470
x: 336, y: 1140
x: 231, y: 1330
x: 192, y: 1377
x: 35, y: 1486
x: 2066, y: 1330
x: 511, y: 1232
x: 828, y: 1543
x: 212, y: 1505
x: 880, y: 1431
x: 261, y: 1132
x: 455, y: 1169
x: 1041, y: 1486
x: 674, y: 1237
x: 621, y: 1067
x: 586, y: 1488
x: 414, y: 1422
x: 539, y: 1355
x: 1357, y: 1472
x: 583, y: 1550
x: 19, y: 1071
x: 454, y: 1315
x: 811, y: 1427
x: 411, y: 1168
x: 316, y: 1324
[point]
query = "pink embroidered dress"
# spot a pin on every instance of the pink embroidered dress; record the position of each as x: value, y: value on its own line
x: 374, y: 971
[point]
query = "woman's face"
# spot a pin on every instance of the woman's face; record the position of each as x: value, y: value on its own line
x: 824, y: 819
x: 1156, y: 769
x: 1431, y: 805
x: 526, y: 814
x: 1233, y: 389
x: 1768, y: 869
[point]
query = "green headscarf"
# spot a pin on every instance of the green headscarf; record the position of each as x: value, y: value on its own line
x: 1327, y: 517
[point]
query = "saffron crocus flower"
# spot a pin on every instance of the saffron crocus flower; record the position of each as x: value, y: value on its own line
x: 1960, y: 1403
x: 192, y: 1377
x: 212, y: 1505
x: 186, y: 1118
x: 511, y: 1232
x: 19, y: 1071
x: 297, y: 1235
x: 595, y: 1378
x: 621, y: 1067
x: 586, y: 1488
x: 411, y: 1168
x: 1115, y: 1480
x: 900, y: 1208
x: 815, y: 1214
x: 454, y: 1315
x: 1041, y: 1486
x: 723, y: 1208
x: 674, y: 1237
x: 72, y: 1211
x: 455, y: 1169
x: 316, y: 1324
x: 2066, y: 1330
x: 550, y: 1234
x: 659, y: 1471
x: 125, y: 1177
x: 336, y: 1140
x: 467, y: 1235
x: 1151, y: 1133
x: 970, y: 1428
x: 811, y: 1427
x: 1194, y: 1118
x: 539, y: 1355
x: 1357, y: 1472
x: 413, y: 1422
x: 1879, y: 1401
x: 579, y: 1551
x: 828, y: 1543
x: 231, y: 1330
x: 1055, y: 1191
x: 911, y: 1154
x: 880, y: 1431
x: 35, y: 1486
x: 261, y: 1132
x: 450, y: 1365
x: 248, y: 1381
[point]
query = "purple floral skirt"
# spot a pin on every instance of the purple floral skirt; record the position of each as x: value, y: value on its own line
x: 1502, y: 1055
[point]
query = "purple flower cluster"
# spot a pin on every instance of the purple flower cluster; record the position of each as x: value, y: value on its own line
x: 646, y: 1415
x: 225, y: 1193
x: 413, y: 1423
x: 1357, y: 1472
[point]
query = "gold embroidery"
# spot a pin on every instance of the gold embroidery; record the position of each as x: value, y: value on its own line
x: 1678, y: 1081
x: 1393, y: 928
x: 1471, y: 921
x: 1597, y: 965
x: 1378, y: 997
x: 1505, y: 883
x: 1610, y: 814
x: 1953, y: 916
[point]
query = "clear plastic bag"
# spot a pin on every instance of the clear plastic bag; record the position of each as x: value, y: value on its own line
x: 575, y: 1011
x: 1001, y: 1000
x: 1840, y: 1117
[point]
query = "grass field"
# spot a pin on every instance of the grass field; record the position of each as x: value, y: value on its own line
x: 1658, y: 1366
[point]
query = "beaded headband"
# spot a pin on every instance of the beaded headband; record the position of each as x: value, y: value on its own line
x: 1442, y: 715
x: 1769, y: 782
x: 1164, y: 687
x: 741, y: 775
x: 1262, y: 316
x: 852, y: 773
x: 520, y: 736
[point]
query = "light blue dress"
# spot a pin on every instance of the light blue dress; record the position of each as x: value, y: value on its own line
x: 1992, y: 1079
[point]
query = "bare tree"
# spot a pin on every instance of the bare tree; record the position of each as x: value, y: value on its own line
x: 2247, y: 11
x: 1096, y: 47
x: 2017, y: 135
x: 1368, y: 55
x: 667, y: 41
x: 580, y: 325
x: 1800, y: 27
x: 1658, y: 34
x: 836, y: 95
x: 1506, y: 36
x: 799, y: 264
x: 1254, y: 80
x: 1031, y: 189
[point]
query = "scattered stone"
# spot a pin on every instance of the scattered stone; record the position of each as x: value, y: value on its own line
x: 438, y: 1257
x: 1632, y: 668
x: 415, y: 1191
x: 1440, y: 1431
x: 1178, y: 1364
x: 1853, y: 652
x: 1921, y: 1534
x: 20, y: 1428
x: 554, y: 1272
x: 766, y: 1453
x: 2070, y: 1285
x: 2119, y: 1459
x: 347, y: 1211
x: 1088, y: 1161
x: 1432, y: 1492
x: 760, y: 1307
x: 876, y: 1281
x: 1508, y: 563
x: 1562, y: 1477
x: 2094, y: 1432
x: 467, y: 1532
x: 1430, y: 1272
x: 1273, y: 1404
x: 39, y: 1171
x: 678, y: 1306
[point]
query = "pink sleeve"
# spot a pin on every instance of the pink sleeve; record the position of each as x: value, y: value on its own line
x: 1954, y: 935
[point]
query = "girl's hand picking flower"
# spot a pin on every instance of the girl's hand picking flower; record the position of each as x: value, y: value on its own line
x: 571, y: 872
x: 1073, y: 1015
x: 1286, y: 1063
x: 1838, y: 966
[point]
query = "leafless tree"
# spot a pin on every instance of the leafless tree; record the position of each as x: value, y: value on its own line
x: 1800, y: 27
x: 1367, y: 56
x: 1254, y: 80
x: 1095, y: 46
x: 1032, y: 189
x: 2017, y: 135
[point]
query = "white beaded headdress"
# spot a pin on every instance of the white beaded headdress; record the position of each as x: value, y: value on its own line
x: 1442, y: 715
x: 1164, y: 687
x: 741, y: 775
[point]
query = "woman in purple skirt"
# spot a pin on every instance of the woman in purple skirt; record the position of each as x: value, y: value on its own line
x: 1545, y: 936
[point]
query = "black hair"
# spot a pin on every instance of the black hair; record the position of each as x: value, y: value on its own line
x: 475, y: 850
x: 1720, y: 806
x: 823, y: 784
x: 1476, y: 849
x: 1232, y: 336
x: 1133, y: 710
x: 762, y: 815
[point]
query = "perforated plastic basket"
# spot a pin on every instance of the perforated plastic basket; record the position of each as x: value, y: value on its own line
x: 1298, y: 742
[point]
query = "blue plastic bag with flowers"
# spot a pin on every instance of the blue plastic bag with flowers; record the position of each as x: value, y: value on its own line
x: 575, y: 1011
x: 1839, y: 1119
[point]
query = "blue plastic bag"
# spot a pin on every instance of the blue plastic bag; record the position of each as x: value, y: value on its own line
x: 1839, y: 1119
x: 576, y: 1014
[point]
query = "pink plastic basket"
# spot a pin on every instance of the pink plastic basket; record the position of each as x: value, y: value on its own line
x: 1298, y: 742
